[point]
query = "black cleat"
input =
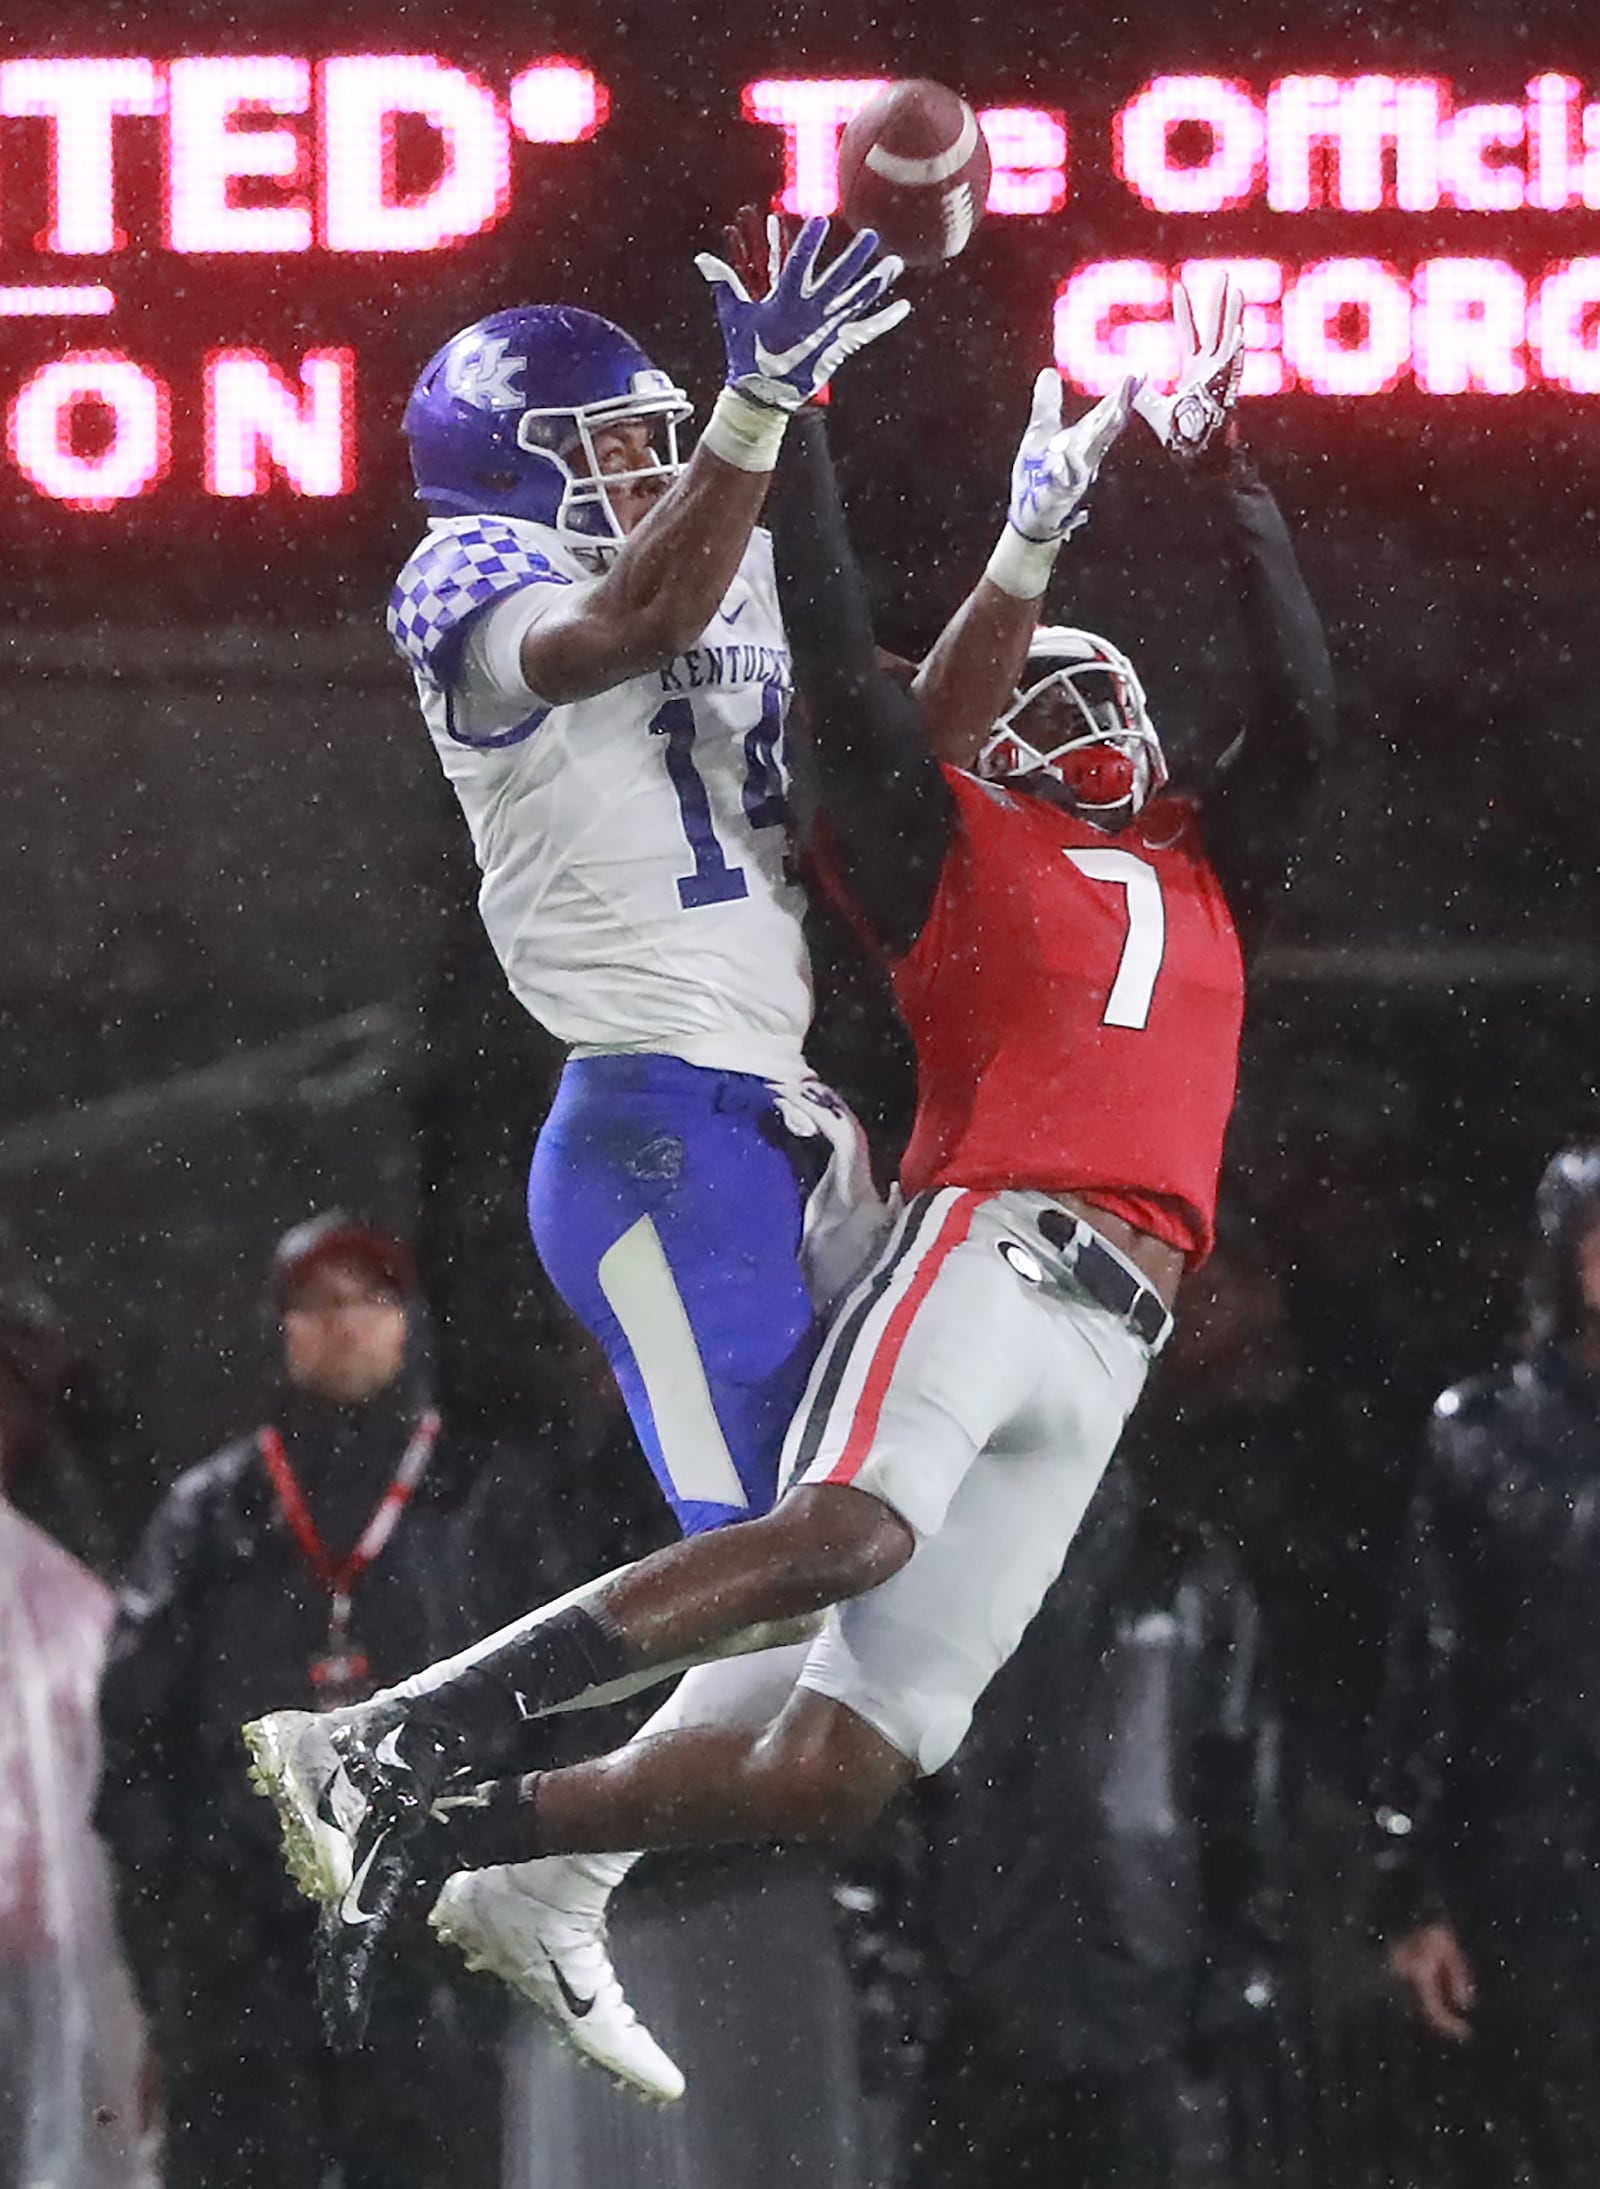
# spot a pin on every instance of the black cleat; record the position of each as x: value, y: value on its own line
x: 396, y: 1775
x: 410, y: 1784
x: 355, y: 1931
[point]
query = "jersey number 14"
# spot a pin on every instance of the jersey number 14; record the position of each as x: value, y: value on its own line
x: 715, y: 879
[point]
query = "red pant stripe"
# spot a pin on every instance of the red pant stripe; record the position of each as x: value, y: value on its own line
x: 953, y: 1229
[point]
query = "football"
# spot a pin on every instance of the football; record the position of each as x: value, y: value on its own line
x: 913, y: 164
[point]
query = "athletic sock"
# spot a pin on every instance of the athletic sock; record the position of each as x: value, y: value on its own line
x: 481, y: 1711
x: 604, y: 1872
x: 497, y: 1827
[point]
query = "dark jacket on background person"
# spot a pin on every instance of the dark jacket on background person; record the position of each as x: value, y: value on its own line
x: 1104, y: 1857
x: 1486, y: 1794
x: 1091, y: 1903
x: 219, y: 1620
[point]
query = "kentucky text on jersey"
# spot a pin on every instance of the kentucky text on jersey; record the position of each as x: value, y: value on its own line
x: 703, y: 668
x: 633, y: 846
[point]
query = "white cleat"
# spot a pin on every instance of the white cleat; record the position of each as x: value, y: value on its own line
x: 295, y: 1764
x: 541, y: 1928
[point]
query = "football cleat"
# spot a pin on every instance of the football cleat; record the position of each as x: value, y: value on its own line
x: 341, y: 1778
x: 541, y: 1928
x: 400, y: 1856
x: 352, y: 1934
x: 294, y: 1763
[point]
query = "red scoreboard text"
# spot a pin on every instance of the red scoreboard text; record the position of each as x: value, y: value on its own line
x: 274, y: 160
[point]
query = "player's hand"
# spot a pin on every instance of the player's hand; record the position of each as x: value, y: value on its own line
x: 784, y: 346
x: 1210, y: 361
x: 1056, y: 465
x: 1430, y: 1964
x: 756, y: 244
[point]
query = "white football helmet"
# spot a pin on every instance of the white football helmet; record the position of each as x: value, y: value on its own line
x: 1100, y: 745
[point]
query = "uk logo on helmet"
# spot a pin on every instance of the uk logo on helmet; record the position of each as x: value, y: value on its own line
x: 503, y: 422
x: 482, y: 374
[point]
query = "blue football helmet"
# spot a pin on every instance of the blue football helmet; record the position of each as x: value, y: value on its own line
x: 501, y: 411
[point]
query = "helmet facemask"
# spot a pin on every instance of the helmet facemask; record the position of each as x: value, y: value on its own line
x: 1090, y: 730
x: 585, y: 516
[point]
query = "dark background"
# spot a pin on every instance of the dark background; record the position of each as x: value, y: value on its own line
x: 241, y: 975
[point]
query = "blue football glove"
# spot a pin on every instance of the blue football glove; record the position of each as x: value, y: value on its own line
x: 784, y: 346
x: 1056, y: 465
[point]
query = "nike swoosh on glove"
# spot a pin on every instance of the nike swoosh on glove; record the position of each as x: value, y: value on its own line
x: 783, y: 347
x: 1056, y: 465
x: 1210, y: 363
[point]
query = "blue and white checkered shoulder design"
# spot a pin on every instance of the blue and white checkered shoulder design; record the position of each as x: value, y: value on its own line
x: 451, y: 576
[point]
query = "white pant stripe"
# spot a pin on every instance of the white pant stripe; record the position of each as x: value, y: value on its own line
x: 637, y: 1280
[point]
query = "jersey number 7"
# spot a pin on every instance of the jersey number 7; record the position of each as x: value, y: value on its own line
x: 1129, y: 1001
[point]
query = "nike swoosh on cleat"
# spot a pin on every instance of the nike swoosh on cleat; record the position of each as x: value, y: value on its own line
x: 350, y: 1908
x: 577, y: 2007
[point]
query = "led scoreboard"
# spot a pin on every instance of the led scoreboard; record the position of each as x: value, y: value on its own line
x: 1352, y: 324
x: 268, y: 161
x: 1389, y: 234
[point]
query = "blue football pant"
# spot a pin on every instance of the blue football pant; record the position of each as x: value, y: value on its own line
x: 667, y: 1204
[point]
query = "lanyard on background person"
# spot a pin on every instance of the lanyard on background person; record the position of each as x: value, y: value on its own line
x: 341, y: 1668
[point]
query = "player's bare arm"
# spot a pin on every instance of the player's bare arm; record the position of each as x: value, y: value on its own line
x: 971, y: 673
x: 968, y: 680
x: 660, y: 593
x: 681, y: 555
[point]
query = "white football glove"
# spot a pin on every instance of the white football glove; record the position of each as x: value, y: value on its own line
x: 1211, y: 359
x: 1056, y: 465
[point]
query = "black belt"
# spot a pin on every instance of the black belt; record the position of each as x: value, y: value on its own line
x: 1109, y: 1281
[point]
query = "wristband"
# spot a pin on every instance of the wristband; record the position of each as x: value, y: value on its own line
x: 744, y: 433
x: 1021, y: 567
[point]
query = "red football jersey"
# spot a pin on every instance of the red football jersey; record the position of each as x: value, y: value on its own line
x: 1076, y: 1000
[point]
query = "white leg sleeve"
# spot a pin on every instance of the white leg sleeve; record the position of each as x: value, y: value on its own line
x: 740, y: 1691
x: 773, y: 1635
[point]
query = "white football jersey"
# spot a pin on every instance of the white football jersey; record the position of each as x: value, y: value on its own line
x: 634, y: 846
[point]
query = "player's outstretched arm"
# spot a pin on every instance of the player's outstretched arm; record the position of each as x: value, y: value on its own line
x: 971, y: 676
x: 1256, y: 809
x: 868, y: 771
x: 673, y: 571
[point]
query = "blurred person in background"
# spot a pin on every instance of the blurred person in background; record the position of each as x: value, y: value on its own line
x: 1487, y: 1789
x: 71, y: 2109
x: 1221, y: 1438
x: 343, y: 1531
